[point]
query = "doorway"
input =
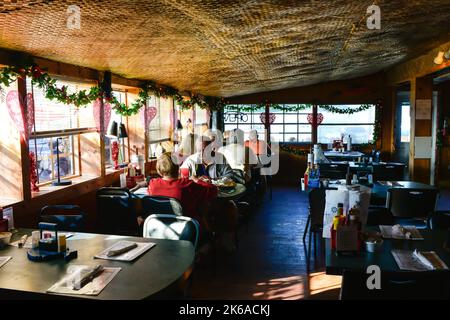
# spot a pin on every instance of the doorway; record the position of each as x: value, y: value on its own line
x: 402, y: 131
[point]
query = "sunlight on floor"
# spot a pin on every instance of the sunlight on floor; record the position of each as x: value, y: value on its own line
x: 290, y: 288
x: 298, y: 287
x: 320, y: 282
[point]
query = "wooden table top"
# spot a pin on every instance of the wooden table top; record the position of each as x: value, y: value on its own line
x: 148, y: 276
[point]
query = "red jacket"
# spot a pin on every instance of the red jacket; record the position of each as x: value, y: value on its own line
x: 189, y: 193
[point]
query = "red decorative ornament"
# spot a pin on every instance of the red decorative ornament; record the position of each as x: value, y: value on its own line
x: 33, y: 172
x: 115, y: 154
x: 310, y: 119
x: 97, y: 115
x: 23, y: 120
x: 151, y: 114
x: 271, y: 118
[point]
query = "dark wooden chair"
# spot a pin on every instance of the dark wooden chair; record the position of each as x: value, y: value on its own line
x: 314, y: 222
x: 116, y: 212
x: 333, y: 170
x: 66, y: 217
x: 388, y: 172
x: 411, y: 206
x: 161, y: 205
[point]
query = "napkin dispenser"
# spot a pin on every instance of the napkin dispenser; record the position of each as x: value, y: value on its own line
x: 347, y: 239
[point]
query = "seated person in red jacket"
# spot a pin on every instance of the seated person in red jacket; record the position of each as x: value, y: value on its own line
x: 193, y: 194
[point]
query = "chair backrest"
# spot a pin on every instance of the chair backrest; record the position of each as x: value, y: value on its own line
x: 116, y: 213
x: 389, y: 172
x: 396, y: 285
x: 411, y: 203
x: 67, y: 217
x: 439, y: 220
x: 161, y: 205
x: 333, y: 170
x: 171, y: 227
x: 317, y: 205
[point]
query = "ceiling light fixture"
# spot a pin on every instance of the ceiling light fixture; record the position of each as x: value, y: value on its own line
x: 439, y: 58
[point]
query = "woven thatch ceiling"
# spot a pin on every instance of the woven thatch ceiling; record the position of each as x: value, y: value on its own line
x: 226, y: 48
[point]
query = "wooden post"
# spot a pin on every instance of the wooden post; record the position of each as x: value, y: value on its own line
x: 314, y: 125
x: 421, y: 89
x: 267, y: 123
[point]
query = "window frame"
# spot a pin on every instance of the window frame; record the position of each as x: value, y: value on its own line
x: 72, y: 133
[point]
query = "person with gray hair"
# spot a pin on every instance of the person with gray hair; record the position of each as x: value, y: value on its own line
x: 241, y: 158
x: 208, y: 164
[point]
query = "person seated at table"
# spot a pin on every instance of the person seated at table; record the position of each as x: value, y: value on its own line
x: 187, y: 148
x: 207, y: 164
x: 241, y: 159
x: 193, y: 194
x: 259, y: 147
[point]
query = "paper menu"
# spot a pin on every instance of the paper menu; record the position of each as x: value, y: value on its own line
x: 392, y: 232
x: 93, y: 288
x: 141, y: 248
x: 4, y: 260
x: 407, y: 260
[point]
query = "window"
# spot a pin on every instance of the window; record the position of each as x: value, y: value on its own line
x: 122, y: 97
x: 289, y: 126
x: 160, y: 128
x: 57, y: 132
x: 359, y: 125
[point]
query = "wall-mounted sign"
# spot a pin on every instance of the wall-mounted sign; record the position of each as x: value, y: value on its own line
x: 423, y: 109
x: 422, y: 148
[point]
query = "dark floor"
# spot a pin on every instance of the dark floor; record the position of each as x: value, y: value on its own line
x: 270, y: 262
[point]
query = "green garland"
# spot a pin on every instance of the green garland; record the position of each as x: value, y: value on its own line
x: 298, y: 107
x: 84, y: 97
x: 293, y: 150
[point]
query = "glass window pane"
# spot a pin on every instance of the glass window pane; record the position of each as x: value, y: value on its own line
x: 290, y: 128
x: 290, y: 137
x: 359, y: 133
x: 46, y: 159
x: 304, y: 138
x: 52, y: 115
x: 366, y: 116
x: 303, y: 118
x: 279, y: 118
x: 276, y: 137
x: 290, y: 118
x: 304, y: 128
x: 275, y: 128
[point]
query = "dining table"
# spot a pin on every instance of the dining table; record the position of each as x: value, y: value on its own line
x: 158, y: 273
x: 379, y: 189
x: 433, y: 240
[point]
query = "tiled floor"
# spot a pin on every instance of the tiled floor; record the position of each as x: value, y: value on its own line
x: 270, y: 262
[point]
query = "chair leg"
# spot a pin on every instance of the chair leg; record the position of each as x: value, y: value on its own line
x: 309, y: 248
x: 306, y: 227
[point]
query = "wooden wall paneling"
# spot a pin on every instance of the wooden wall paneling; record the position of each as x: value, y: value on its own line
x: 387, y: 141
x: 92, y: 155
x: 361, y: 90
